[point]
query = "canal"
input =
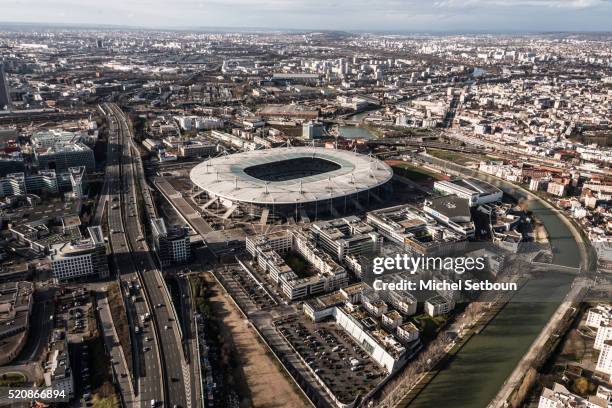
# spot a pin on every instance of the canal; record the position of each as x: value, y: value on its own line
x: 474, y: 376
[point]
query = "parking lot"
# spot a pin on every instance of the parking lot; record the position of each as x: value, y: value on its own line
x: 345, y: 368
x: 245, y: 288
x: 76, y: 314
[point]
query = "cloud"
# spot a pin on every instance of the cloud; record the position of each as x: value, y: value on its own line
x: 558, y: 4
x: 405, y: 15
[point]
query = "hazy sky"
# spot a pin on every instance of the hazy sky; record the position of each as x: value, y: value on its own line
x: 406, y: 15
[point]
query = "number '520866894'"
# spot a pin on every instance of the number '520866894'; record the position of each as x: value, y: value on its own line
x: 30, y: 393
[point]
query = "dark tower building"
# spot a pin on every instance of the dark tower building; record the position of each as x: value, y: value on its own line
x: 5, y: 96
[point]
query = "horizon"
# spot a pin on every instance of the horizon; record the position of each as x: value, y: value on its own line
x: 16, y: 25
x: 511, y: 16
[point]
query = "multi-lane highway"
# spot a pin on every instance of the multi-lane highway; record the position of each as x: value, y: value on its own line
x: 164, y: 330
x: 146, y: 364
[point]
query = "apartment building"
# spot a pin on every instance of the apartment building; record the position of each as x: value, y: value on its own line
x: 58, y: 374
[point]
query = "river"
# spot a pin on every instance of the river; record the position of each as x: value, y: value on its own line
x: 477, y: 372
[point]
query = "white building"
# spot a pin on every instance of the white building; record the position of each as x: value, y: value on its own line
x: 599, y: 314
x: 561, y: 397
x: 265, y: 251
x: 57, y: 370
x: 604, y: 362
x: 80, y: 259
x: 475, y: 191
x: 604, y: 333
x: 438, y: 305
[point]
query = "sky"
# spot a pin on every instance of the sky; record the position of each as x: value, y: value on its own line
x: 350, y: 15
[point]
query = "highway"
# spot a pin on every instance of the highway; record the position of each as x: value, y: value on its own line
x: 173, y: 370
x: 147, y: 370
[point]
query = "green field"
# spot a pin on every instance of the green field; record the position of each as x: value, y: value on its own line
x: 414, y: 173
x: 459, y: 158
x: 12, y: 380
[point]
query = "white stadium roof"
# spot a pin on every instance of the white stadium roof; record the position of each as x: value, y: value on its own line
x: 225, y: 177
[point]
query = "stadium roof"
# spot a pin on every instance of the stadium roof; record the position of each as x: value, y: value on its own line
x: 225, y: 177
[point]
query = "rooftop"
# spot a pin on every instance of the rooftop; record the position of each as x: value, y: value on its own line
x: 232, y: 177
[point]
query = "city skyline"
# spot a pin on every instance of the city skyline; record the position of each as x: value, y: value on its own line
x: 388, y: 15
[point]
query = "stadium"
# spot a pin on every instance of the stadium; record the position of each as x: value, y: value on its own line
x: 308, y: 181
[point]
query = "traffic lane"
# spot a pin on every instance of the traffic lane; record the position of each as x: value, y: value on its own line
x: 171, y: 349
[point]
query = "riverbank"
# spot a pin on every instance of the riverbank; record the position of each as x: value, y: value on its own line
x: 497, y: 350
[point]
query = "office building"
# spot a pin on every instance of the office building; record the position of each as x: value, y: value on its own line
x: 80, y: 259
x: 475, y: 191
x: 172, y: 244
x: 197, y: 149
x: 599, y: 314
x: 604, y: 333
x: 313, y: 130
x: 61, y: 158
x: 5, y: 95
x: 346, y: 236
x: 44, y: 182
x: 321, y: 275
x: 452, y: 212
x: 416, y: 231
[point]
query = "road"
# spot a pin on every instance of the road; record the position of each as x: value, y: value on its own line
x: 40, y: 328
x: 173, y: 368
x: 146, y: 368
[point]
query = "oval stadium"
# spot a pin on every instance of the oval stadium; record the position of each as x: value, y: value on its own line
x: 311, y: 180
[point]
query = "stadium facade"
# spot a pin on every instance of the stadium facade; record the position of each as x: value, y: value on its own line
x: 309, y: 181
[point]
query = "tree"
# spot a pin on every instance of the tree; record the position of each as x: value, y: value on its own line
x: 580, y: 386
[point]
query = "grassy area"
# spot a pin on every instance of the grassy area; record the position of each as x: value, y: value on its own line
x: 459, y: 158
x: 120, y: 320
x: 12, y: 380
x: 414, y: 173
x: 451, y: 156
x: 298, y: 264
x: 108, y: 402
